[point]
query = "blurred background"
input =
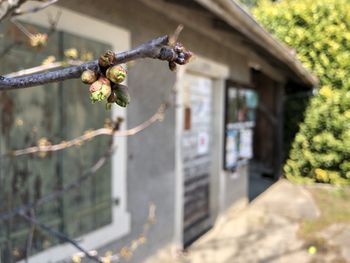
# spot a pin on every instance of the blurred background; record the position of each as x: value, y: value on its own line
x: 249, y: 163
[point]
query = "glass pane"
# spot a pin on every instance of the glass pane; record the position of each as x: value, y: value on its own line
x: 26, y: 116
x: 57, y: 112
x: 88, y: 207
x: 232, y: 105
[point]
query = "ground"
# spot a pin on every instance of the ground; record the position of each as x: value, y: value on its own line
x: 287, y: 223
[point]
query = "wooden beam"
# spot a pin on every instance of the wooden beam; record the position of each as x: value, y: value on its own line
x: 259, y: 63
x: 279, y: 143
x: 187, y: 4
x: 221, y: 24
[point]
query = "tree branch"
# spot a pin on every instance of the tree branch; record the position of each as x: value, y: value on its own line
x: 157, y: 48
x: 30, y: 237
x: 58, y: 193
x: 126, y: 252
x: 12, y: 7
x: 157, y: 116
x: 60, y: 236
x: 7, y: 7
x: 34, y: 9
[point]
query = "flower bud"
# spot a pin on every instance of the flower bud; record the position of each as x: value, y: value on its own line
x: 97, y: 85
x: 183, y: 56
x: 179, y: 47
x: 123, y: 97
x: 107, y: 59
x: 71, y: 53
x: 172, y: 65
x: 180, y: 61
x: 88, y: 76
x: 188, y: 56
x: 109, y: 106
x: 116, y: 74
x: 113, y: 97
x: 100, y: 89
x: 38, y: 40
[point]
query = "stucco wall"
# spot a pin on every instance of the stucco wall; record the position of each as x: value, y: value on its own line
x: 151, y: 154
x: 236, y: 186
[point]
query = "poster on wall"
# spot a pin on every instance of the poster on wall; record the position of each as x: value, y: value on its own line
x: 240, y: 107
x: 231, y: 156
x: 246, y: 144
x: 203, y: 143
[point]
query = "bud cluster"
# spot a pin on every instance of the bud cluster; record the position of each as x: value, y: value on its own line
x: 105, y: 84
x: 182, y: 56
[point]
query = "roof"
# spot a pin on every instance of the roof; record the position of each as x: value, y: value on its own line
x: 238, y: 18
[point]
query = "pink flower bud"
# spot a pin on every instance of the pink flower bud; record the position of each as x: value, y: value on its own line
x: 100, y: 89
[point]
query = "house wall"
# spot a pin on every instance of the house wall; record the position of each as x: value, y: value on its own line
x: 151, y: 153
x: 79, y: 35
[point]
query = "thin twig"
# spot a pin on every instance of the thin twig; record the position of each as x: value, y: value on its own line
x: 54, y: 21
x: 90, y: 134
x: 21, y: 28
x: 58, y: 193
x: 61, y: 236
x: 11, y: 8
x: 63, y: 145
x: 30, y: 236
x: 173, y: 37
x: 53, y: 25
x: 159, y: 115
x: 128, y: 250
x: 7, y: 7
x: 34, y: 9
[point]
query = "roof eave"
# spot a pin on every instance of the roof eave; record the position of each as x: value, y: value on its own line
x: 242, y: 21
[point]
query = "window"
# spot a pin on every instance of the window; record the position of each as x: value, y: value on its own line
x: 57, y: 112
x: 240, y: 106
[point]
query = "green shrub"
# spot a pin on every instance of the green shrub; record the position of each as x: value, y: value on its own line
x: 320, y: 33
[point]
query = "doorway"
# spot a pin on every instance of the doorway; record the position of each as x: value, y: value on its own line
x: 196, y: 157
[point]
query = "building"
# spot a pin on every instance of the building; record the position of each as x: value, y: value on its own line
x: 192, y: 166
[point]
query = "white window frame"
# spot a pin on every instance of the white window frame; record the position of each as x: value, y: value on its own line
x: 119, y: 38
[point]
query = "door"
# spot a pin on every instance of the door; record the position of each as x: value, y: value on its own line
x: 196, y: 155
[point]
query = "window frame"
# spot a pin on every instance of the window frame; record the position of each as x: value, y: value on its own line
x: 239, y: 125
x: 120, y: 225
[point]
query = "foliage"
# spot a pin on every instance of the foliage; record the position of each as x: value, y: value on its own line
x: 320, y: 33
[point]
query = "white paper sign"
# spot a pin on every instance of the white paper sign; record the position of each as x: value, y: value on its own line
x: 231, y: 149
x: 203, y: 143
x: 246, y: 144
